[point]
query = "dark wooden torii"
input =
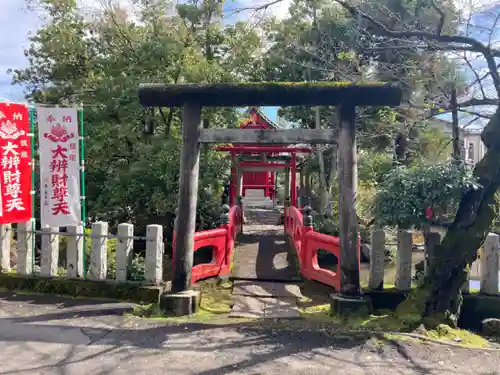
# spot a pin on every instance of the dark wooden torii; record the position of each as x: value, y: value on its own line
x: 192, y: 97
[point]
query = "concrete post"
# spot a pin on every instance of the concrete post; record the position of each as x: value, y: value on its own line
x: 99, y: 252
x: 154, y: 254
x: 403, y: 260
x: 74, y: 251
x: 5, y: 247
x: 377, y: 258
x: 25, y: 248
x: 490, y: 265
x: 50, y: 251
x: 124, y: 248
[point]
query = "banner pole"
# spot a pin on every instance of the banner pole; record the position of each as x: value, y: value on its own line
x: 33, y: 192
x: 82, y: 197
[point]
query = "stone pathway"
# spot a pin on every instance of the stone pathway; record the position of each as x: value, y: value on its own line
x: 264, y: 270
x: 50, y: 335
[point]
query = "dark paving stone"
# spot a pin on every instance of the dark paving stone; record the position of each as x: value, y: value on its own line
x: 262, y: 252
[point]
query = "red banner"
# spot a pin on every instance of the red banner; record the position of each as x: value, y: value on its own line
x: 15, y: 164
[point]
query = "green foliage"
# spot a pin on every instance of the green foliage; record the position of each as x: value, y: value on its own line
x: 373, y: 167
x: 99, y: 61
x: 136, y: 271
x: 326, y: 225
x: 405, y: 193
x: 321, y: 42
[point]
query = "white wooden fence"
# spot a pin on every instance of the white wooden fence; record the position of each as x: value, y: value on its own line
x: 484, y: 272
x: 97, y: 262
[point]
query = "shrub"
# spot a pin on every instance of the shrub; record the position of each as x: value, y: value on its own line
x: 136, y: 271
x: 405, y: 193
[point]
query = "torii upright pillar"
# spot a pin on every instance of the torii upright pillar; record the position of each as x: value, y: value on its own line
x: 348, y: 222
x: 188, y: 196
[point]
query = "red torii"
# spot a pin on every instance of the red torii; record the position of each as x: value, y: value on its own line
x: 261, y: 179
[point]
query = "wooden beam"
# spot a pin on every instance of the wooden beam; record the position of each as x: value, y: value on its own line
x: 248, y: 94
x: 188, y: 195
x: 348, y: 226
x: 289, y: 136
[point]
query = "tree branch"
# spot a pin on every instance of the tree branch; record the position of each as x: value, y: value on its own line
x: 477, y: 45
x: 472, y: 44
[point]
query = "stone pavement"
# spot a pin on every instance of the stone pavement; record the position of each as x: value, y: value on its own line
x: 42, y: 335
x: 264, y: 269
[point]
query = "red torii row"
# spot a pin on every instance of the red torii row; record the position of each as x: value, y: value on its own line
x: 258, y: 166
x: 256, y: 174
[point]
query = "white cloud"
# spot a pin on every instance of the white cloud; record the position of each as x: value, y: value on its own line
x: 16, y: 21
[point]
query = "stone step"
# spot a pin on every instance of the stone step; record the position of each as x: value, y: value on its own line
x: 264, y: 308
x: 266, y: 289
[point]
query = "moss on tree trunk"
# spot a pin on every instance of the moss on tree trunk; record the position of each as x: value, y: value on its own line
x: 439, y: 298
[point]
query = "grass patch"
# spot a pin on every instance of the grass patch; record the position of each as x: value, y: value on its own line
x: 458, y: 336
x: 216, y: 297
x: 215, y: 306
x: 380, y: 321
x: 390, y: 327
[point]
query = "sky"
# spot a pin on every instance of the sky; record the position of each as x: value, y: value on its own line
x: 15, y: 25
x: 17, y: 22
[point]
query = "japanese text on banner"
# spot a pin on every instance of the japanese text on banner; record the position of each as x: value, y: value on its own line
x: 59, y: 166
x: 15, y: 164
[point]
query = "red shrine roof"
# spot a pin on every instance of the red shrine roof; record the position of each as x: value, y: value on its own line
x: 258, y: 120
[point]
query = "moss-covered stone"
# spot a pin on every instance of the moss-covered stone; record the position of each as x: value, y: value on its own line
x: 347, y: 306
x: 386, y: 299
x: 130, y: 291
x: 270, y: 94
x: 475, y: 308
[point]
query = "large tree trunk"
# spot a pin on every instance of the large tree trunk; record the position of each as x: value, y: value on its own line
x: 439, y: 298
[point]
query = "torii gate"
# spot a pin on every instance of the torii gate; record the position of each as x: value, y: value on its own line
x: 192, y: 97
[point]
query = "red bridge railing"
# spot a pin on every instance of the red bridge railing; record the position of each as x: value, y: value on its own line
x: 307, y: 243
x: 301, y: 236
x: 221, y: 240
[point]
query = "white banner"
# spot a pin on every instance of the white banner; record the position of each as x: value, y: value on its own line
x: 59, y: 166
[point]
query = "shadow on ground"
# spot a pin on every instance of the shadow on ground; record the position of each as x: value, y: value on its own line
x: 239, y: 348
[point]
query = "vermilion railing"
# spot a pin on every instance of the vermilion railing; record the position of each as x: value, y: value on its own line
x: 221, y: 240
x: 307, y: 243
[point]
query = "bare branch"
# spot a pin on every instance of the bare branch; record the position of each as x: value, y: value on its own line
x: 476, y: 74
x: 458, y: 39
x: 453, y: 42
x: 477, y: 114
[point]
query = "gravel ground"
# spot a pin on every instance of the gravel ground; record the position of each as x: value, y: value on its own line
x: 49, y: 335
